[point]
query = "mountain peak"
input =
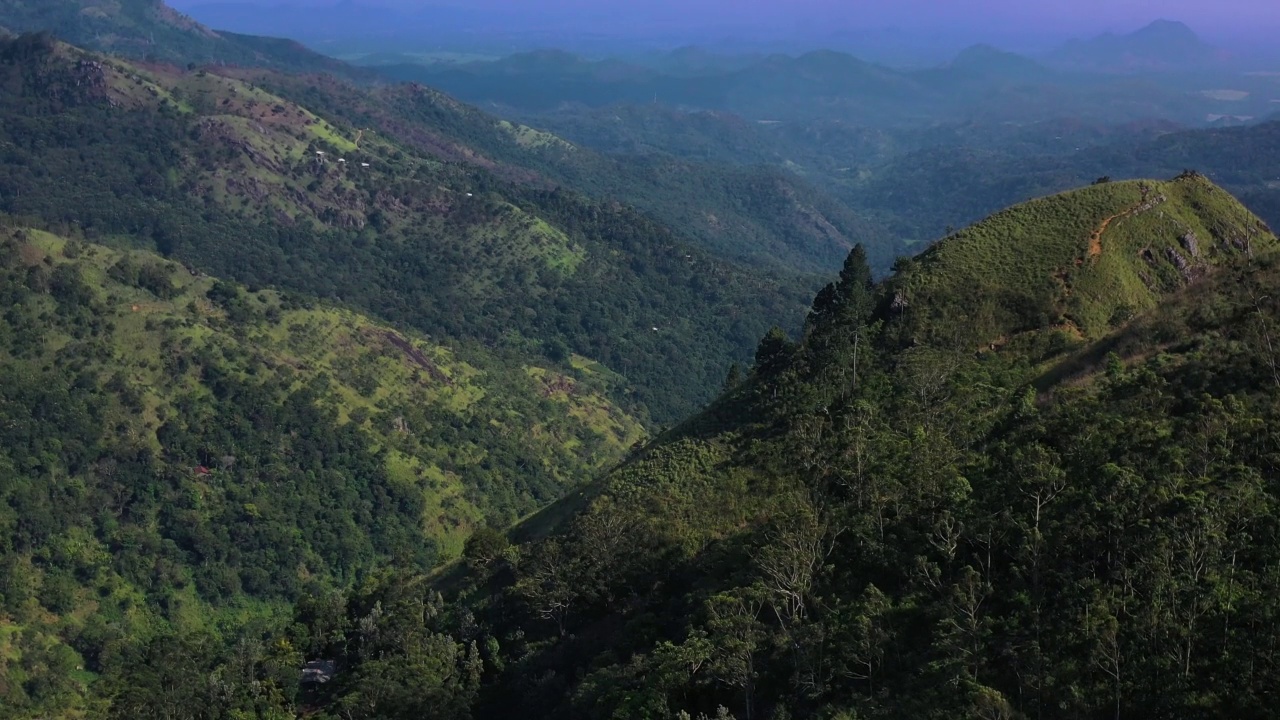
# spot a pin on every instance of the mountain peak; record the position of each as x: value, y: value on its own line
x: 989, y: 59
x: 1160, y: 45
x: 1169, y: 28
x: 1076, y: 260
x: 1167, y: 36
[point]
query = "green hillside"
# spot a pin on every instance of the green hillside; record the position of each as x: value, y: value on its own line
x: 301, y: 377
x: 1082, y: 262
x: 879, y: 521
x: 227, y: 176
x: 177, y: 450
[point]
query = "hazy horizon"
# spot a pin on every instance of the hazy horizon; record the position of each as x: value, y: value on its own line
x: 1223, y: 20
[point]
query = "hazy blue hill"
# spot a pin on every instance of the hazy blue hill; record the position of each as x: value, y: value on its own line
x: 793, y: 87
x: 1161, y: 46
x: 982, y: 63
x: 982, y: 84
x: 773, y: 86
x: 693, y: 60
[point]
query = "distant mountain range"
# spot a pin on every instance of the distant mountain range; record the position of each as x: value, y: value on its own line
x: 1164, y: 45
x: 980, y: 83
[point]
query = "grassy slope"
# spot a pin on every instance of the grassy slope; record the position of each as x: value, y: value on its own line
x: 531, y: 433
x: 1009, y: 283
x: 1082, y: 261
x: 758, y: 215
x: 370, y: 375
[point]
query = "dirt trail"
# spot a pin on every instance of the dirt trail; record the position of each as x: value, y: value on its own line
x: 1095, y: 240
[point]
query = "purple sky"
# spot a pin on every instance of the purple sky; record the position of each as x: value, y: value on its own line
x: 1211, y: 16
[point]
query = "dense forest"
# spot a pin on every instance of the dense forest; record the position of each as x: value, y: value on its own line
x: 1043, y: 495
x: 180, y: 453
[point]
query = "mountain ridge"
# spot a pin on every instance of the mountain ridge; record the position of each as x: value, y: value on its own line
x: 150, y: 29
x: 802, y: 503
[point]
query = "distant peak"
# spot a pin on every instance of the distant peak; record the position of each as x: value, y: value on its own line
x: 988, y: 59
x: 828, y: 58
x: 1170, y: 29
x: 1165, y: 24
x: 1160, y: 45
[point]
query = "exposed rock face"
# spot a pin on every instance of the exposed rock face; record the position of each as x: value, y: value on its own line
x: 1191, y: 243
x: 1185, y: 268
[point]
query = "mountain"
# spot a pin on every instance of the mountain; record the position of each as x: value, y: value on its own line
x: 1164, y: 45
x: 980, y: 84
x: 251, y: 352
x: 895, y: 188
x: 1024, y: 475
x: 776, y: 221
x: 981, y: 63
x: 149, y: 29
x: 692, y: 60
x: 273, y: 346
x: 244, y: 183
x: 774, y: 87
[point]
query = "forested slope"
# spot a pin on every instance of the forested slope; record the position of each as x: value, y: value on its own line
x: 736, y: 208
x: 176, y: 452
x: 915, y: 513
x: 245, y: 184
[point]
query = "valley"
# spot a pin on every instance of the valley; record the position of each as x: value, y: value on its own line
x: 484, y: 380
